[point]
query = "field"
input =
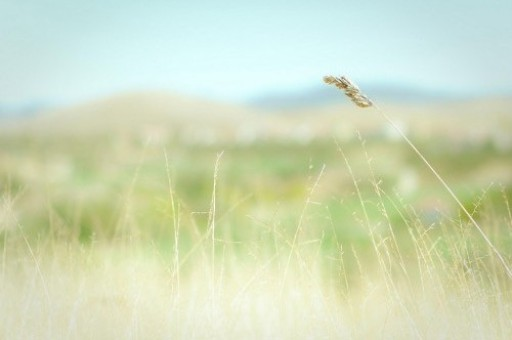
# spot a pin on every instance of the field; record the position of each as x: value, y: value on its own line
x: 155, y: 217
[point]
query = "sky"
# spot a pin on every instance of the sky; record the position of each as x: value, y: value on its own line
x: 63, y: 51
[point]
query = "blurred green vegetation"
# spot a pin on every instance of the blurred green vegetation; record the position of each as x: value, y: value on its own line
x: 106, y: 188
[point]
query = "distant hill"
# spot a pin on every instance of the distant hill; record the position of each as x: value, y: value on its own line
x: 132, y: 109
x: 322, y: 95
x: 133, y: 112
x: 159, y: 115
x: 14, y: 111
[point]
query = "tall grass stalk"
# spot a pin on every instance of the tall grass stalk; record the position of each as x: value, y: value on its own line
x: 175, y: 215
x: 298, y: 229
x: 382, y: 251
x: 361, y: 100
x: 211, y: 230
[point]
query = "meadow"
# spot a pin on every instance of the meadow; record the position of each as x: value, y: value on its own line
x: 307, y: 225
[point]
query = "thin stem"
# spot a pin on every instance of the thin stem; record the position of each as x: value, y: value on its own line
x: 447, y: 187
x: 211, y: 227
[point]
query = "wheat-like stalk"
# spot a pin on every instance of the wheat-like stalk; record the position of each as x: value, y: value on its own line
x: 350, y: 89
x: 355, y: 94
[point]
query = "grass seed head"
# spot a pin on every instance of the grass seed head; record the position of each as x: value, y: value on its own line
x: 350, y: 89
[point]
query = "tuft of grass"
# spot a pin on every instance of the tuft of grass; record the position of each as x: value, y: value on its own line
x: 110, y: 238
x: 353, y: 92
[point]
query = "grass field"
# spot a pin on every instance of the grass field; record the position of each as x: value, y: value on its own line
x: 299, y: 227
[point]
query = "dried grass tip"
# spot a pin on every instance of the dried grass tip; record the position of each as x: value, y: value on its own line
x: 350, y: 89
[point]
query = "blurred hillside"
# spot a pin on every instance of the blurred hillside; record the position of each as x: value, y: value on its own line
x: 321, y: 95
x: 167, y: 117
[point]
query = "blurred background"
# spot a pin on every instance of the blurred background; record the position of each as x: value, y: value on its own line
x: 154, y: 153
x: 58, y: 53
x: 85, y: 82
x: 91, y: 89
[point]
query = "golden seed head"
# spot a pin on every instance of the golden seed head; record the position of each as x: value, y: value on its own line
x: 350, y: 89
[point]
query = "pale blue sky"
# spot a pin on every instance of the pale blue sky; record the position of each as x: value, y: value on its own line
x: 67, y: 51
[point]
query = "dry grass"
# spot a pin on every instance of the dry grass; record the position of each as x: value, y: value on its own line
x: 233, y: 265
x: 353, y: 92
x: 119, y: 290
x: 448, y: 286
x: 350, y: 89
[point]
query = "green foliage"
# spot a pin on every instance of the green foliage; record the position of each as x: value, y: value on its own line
x: 93, y: 186
x: 283, y: 216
